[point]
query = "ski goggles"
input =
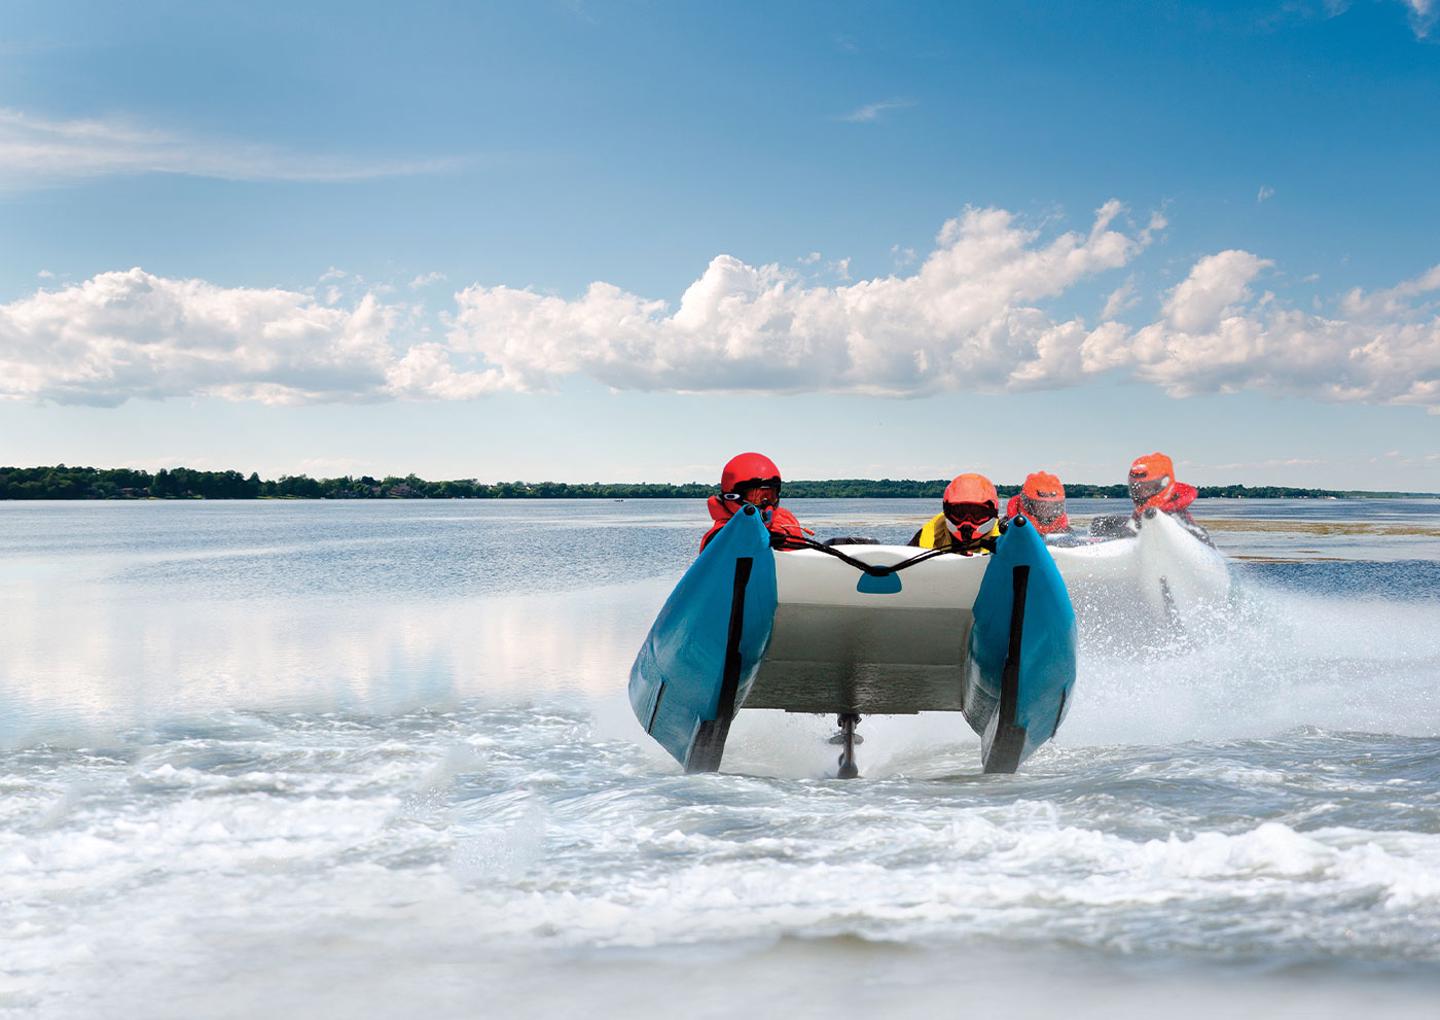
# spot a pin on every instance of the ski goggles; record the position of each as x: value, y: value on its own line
x: 761, y: 492
x: 1144, y: 489
x: 973, y: 514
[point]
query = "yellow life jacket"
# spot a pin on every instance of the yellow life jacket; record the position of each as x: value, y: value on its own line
x: 934, y: 535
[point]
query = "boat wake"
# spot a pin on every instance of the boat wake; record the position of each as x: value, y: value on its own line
x: 1270, y: 661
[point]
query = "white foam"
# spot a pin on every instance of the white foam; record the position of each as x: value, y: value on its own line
x: 1281, y: 660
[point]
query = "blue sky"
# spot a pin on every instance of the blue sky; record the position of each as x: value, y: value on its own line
x: 623, y: 241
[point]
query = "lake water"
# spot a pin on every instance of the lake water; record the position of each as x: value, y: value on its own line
x: 376, y: 760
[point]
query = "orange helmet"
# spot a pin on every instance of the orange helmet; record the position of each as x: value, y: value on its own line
x: 750, y: 478
x: 1042, y: 499
x: 1152, y: 479
x: 971, y: 506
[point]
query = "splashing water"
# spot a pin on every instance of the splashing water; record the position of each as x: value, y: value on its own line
x: 398, y: 792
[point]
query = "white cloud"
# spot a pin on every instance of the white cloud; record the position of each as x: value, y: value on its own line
x: 809, y: 260
x: 1423, y: 14
x: 1120, y: 299
x: 871, y: 112
x: 1216, y: 336
x: 37, y: 151
x: 971, y: 317
x: 1157, y: 223
x: 1264, y: 194
x: 1397, y: 302
x: 426, y: 279
x: 967, y: 319
x: 131, y: 334
x: 45, y: 274
x: 1215, y: 284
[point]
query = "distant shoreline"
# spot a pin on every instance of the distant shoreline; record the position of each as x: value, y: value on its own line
x: 62, y: 482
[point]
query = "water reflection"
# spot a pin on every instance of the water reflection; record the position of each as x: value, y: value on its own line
x: 77, y: 663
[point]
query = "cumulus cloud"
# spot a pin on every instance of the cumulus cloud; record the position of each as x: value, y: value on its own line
x: 976, y: 314
x: 1217, y: 335
x: 968, y: 318
x: 38, y: 150
x: 1215, y: 285
x: 132, y: 334
x: 1264, y: 194
x: 1398, y: 302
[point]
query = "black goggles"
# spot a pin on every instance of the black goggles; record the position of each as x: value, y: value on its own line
x: 974, y: 514
x: 755, y: 491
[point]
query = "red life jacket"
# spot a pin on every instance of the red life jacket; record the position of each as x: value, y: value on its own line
x: 782, y: 521
x: 1177, y: 499
x: 1016, y: 506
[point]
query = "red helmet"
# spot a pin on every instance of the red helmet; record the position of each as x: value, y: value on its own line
x: 971, y: 506
x: 1042, y: 499
x: 1152, y: 480
x: 751, y: 478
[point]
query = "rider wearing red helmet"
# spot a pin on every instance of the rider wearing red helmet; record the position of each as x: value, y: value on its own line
x: 1042, y: 500
x: 969, y: 518
x: 1152, y: 484
x: 752, y: 478
x: 1153, y: 487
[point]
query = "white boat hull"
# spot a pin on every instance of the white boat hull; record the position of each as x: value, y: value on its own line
x: 1163, y: 571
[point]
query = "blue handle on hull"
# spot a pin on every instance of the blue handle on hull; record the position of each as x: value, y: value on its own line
x: 700, y: 657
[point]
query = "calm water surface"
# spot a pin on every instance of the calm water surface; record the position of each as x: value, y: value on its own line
x: 375, y: 759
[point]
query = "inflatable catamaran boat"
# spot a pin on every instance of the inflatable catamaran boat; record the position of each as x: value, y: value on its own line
x: 856, y: 630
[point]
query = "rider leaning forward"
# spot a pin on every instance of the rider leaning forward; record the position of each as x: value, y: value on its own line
x: 969, y: 518
x: 1042, y: 500
x: 752, y: 478
x: 1152, y: 487
x: 969, y: 521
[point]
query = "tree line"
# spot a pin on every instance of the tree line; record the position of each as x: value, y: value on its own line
x: 61, y: 482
